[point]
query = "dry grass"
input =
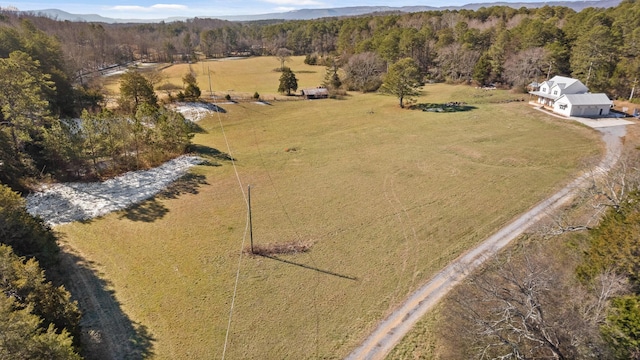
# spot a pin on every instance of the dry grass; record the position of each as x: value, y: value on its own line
x: 244, y: 77
x: 387, y: 196
x: 236, y: 77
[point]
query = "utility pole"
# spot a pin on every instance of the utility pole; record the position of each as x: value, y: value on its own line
x: 250, y: 224
x: 633, y: 89
x: 209, y: 73
x: 549, y: 71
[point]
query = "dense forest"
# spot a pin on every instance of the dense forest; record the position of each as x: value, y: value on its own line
x: 491, y: 45
x: 55, y: 125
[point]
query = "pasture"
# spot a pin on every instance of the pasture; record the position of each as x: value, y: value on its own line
x: 385, y: 196
x: 236, y: 77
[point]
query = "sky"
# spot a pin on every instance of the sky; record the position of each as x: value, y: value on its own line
x: 155, y: 9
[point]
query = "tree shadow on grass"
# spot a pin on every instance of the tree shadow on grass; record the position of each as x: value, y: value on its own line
x: 147, y: 211
x: 152, y: 209
x: 106, y: 331
x: 212, y: 155
x: 187, y: 184
x: 197, y: 129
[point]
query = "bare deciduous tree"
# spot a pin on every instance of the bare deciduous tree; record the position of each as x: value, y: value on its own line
x: 363, y: 72
x: 456, y: 62
x: 283, y: 55
x: 609, y: 190
x: 522, y: 67
x: 605, y: 190
x: 606, y: 286
x: 529, y: 306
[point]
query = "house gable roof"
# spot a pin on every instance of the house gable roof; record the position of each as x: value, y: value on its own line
x: 548, y: 83
x: 561, y: 85
x: 565, y: 84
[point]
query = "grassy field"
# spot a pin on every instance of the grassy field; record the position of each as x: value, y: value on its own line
x: 236, y: 77
x: 386, y: 196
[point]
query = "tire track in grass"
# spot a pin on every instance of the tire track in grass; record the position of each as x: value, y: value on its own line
x: 404, y: 222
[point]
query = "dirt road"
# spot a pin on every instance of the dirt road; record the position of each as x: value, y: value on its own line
x: 107, y: 332
x: 390, y: 331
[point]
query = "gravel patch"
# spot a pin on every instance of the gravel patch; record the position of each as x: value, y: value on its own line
x: 68, y: 202
x: 195, y: 112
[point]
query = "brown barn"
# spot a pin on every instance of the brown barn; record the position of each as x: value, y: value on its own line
x: 315, y: 93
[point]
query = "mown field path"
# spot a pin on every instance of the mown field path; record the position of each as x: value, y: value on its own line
x: 392, y: 329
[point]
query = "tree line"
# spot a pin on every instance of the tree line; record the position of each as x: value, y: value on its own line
x: 491, y: 45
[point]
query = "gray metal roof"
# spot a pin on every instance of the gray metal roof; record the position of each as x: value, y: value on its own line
x: 543, y: 94
x: 316, y: 92
x: 585, y: 99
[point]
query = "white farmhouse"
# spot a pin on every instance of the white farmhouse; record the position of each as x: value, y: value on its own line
x: 570, y: 97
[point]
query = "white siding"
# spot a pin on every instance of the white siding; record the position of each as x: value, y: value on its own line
x: 590, y: 110
x: 562, y: 107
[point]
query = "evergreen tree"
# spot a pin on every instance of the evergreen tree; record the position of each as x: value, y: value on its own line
x: 23, y: 338
x: 48, y: 52
x: 482, y: 70
x: 331, y: 78
x: 288, y: 81
x: 192, y: 91
x: 593, y: 57
x: 622, y: 327
x: 135, y: 90
x: 28, y: 236
x: 23, y: 106
x: 24, y: 281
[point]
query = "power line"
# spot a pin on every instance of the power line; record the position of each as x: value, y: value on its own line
x: 244, y: 237
x: 296, y: 232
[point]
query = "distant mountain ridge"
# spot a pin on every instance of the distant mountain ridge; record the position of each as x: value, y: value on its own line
x: 309, y: 14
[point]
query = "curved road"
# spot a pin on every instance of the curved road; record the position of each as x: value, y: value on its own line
x: 390, y: 331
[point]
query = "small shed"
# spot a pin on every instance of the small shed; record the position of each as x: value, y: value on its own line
x: 583, y: 105
x: 315, y: 93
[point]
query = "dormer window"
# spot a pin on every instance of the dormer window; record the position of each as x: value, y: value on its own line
x: 544, y: 89
x: 555, y: 92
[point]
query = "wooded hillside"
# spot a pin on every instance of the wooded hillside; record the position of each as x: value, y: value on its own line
x: 490, y: 45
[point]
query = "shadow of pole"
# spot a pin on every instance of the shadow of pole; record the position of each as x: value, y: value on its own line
x: 309, y: 267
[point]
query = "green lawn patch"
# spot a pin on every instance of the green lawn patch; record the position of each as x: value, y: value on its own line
x: 448, y: 107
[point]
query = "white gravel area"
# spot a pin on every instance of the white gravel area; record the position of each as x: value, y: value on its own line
x: 196, y: 111
x: 68, y: 202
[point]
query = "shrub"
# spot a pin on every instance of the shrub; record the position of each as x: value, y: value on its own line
x: 311, y: 59
x: 294, y: 247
